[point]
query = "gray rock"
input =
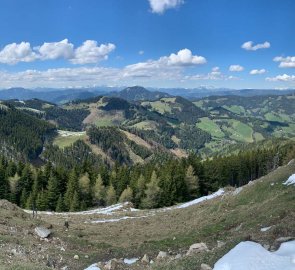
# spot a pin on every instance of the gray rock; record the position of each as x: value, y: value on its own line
x: 284, y: 239
x: 145, y: 259
x: 205, y: 267
x: 162, y: 255
x: 42, y: 232
x: 76, y: 257
x: 220, y: 244
x: 178, y: 256
x: 197, y: 248
x: 111, y: 265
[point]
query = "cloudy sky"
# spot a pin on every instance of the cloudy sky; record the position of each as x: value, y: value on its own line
x: 159, y: 43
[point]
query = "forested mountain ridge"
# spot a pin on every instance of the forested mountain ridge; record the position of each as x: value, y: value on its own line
x: 172, y: 124
x: 22, y: 135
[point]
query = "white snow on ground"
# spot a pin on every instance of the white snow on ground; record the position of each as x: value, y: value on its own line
x: 265, y: 229
x: 104, y: 211
x: 92, y: 267
x: 290, y: 181
x: 131, y: 261
x: 252, y: 256
x: 201, y: 199
x: 114, y: 219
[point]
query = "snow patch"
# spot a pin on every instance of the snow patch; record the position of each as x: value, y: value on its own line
x: 201, y: 199
x: 131, y: 261
x: 250, y: 255
x: 290, y: 181
x: 114, y: 219
x: 265, y: 229
x: 92, y: 267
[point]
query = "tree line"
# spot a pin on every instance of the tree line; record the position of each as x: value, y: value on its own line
x: 150, y: 185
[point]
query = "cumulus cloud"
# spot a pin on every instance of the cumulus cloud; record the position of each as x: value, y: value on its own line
x: 166, y: 68
x: 285, y: 62
x: 249, y: 46
x: 257, y: 71
x: 88, y: 53
x: 56, y: 50
x: 141, y: 52
x: 282, y: 78
x: 13, y: 53
x: 160, y: 6
x: 235, y: 68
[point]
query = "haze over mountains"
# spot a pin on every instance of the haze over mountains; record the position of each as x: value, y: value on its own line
x: 60, y: 96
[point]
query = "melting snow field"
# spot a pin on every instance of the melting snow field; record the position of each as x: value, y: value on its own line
x: 252, y: 256
x: 290, y: 181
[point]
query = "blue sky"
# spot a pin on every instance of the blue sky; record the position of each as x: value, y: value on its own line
x: 159, y: 43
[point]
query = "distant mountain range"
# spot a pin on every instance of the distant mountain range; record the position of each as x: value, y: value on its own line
x: 135, y: 93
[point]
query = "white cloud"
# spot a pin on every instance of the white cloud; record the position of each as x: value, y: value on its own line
x: 285, y: 62
x: 282, y: 78
x: 160, y: 6
x: 236, y: 68
x: 13, y: 53
x: 184, y: 58
x: 141, y: 52
x: 257, y: 71
x: 166, y: 68
x: 56, y: 50
x: 90, y: 52
x: 249, y: 46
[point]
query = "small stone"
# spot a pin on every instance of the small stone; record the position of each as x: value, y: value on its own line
x: 266, y: 246
x: 162, y: 255
x: 62, y: 249
x: 111, y: 265
x: 197, y: 248
x: 220, y: 244
x: 86, y: 256
x: 205, y: 267
x: 76, y: 257
x: 145, y: 259
x: 178, y: 256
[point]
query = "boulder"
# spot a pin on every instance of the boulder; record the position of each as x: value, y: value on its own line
x: 205, y: 267
x: 162, y: 255
x: 197, y: 248
x: 42, y: 232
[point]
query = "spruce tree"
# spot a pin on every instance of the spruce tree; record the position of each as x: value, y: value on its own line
x: 60, y: 204
x: 75, y: 204
x: 52, y: 192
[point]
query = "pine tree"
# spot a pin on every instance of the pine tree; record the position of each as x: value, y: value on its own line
x: 126, y: 196
x: 140, y: 187
x: 111, y: 195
